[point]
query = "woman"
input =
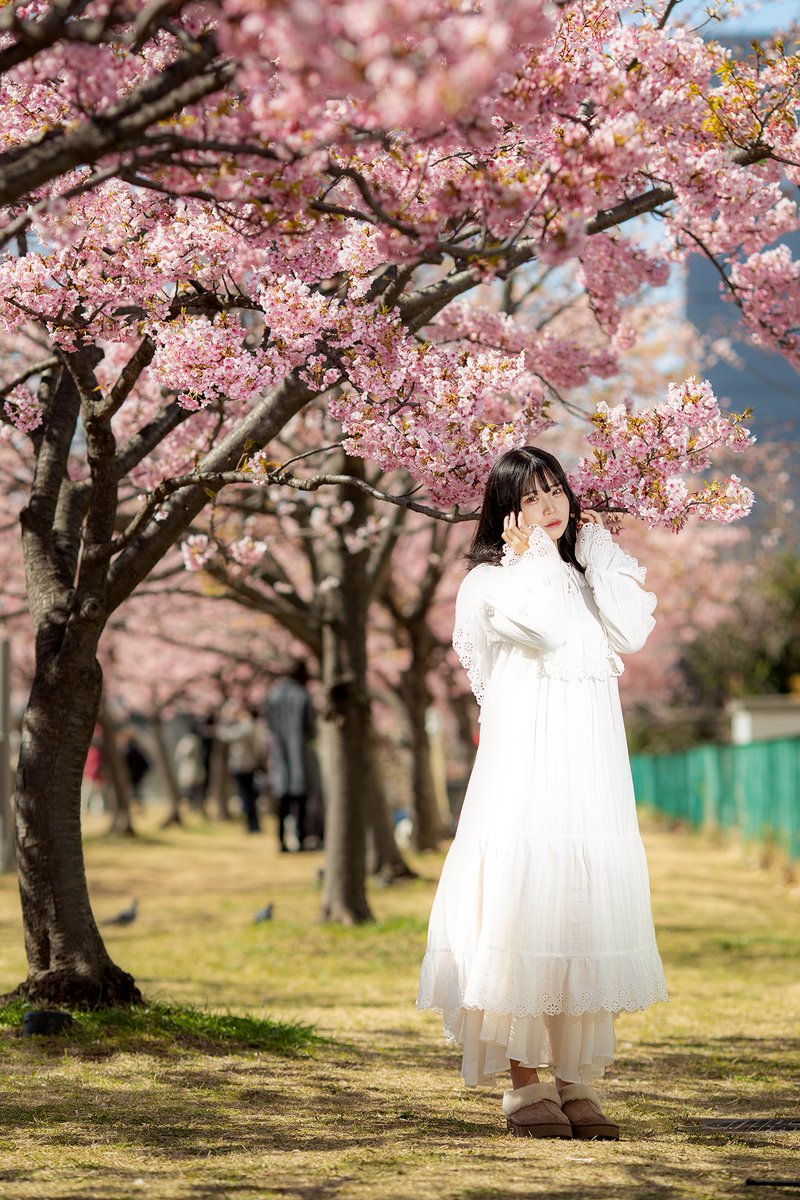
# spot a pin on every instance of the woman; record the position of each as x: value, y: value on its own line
x: 541, y: 930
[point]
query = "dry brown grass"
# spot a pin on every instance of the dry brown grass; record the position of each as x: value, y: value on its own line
x: 377, y: 1110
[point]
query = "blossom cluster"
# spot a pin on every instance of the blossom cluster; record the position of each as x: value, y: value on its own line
x: 23, y: 410
x: 396, y: 147
x: 197, y: 550
x: 248, y: 551
x: 767, y: 285
x: 406, y: 63
x: 639, y: 458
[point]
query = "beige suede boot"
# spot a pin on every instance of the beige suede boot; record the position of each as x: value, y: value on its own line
x: 581, y: 1106
x: 535, y: 1111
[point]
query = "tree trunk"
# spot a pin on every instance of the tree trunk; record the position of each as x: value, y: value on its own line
x: 219, y: 780
x: 416, y: 697
x: 167, y: 771
x: 346, y: 720
x: 464, y: 708
x: 345, y: 726
x: 120, y: 790
x: 68, y: 962
x: 383, y: 854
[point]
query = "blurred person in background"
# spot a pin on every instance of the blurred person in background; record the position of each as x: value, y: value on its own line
x: 237, y: 728
x: 137, y: 761
x: 293, y: 768
x: 190, y: 769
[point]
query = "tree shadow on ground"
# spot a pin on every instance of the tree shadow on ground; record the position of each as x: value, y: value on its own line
x: 356, y: 1101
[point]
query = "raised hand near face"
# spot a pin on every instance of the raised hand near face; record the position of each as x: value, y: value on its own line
x: 590, y: 517
x: 516, y: 533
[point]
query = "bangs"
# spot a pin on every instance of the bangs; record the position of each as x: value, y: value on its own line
x: 541, y: 479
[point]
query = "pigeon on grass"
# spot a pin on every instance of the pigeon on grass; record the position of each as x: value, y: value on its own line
x: 263, y: 914
x: 126, y: 917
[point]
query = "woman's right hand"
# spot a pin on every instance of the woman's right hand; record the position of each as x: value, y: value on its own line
x: 516, y: 533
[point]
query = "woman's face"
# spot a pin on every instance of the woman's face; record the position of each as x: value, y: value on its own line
x: 548, y: 509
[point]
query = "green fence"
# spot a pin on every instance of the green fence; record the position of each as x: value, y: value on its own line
x: 753, y: 788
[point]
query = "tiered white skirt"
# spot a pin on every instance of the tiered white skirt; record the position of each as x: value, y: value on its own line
x: 541, y: 930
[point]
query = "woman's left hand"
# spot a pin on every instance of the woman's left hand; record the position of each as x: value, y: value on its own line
x: 590, y: 517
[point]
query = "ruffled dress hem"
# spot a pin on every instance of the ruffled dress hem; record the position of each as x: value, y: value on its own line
x: 576, y: 1049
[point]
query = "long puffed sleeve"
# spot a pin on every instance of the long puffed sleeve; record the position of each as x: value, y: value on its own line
x: 521, y: 602
x: 525, y: 603
x: 615, y: 579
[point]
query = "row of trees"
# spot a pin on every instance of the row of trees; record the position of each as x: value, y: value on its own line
x: 221, y: 219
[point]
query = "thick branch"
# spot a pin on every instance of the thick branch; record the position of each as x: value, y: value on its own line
x: 128, y: 377
x: 183, y: 83
x: 73, y: 504
x: 46, y: 584
x: 100, y: 453
x: 146, y: 439
x: 146, y: 540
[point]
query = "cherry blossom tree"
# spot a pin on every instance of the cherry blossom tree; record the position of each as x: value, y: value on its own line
x: 314, y: 566
x: 216, y: 214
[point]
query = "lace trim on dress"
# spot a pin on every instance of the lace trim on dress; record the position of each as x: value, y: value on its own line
x: 464, y: 646
x: 596, y: 550
x: 540, y: 546
x: 616, y: 983
x: 571, y: 663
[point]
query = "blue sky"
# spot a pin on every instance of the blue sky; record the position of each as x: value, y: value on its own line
x: 754, y: 17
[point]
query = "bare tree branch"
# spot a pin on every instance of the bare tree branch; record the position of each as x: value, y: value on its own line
x: 211, y: 482
x: 148, y: 438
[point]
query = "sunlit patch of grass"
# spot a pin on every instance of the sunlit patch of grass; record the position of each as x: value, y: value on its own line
x: 164, y: 1027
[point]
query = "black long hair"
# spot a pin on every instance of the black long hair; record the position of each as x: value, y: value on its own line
x: 515, y: 473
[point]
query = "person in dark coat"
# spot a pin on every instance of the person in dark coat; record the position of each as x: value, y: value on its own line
x: 138, y: 764
x: 294, y: 773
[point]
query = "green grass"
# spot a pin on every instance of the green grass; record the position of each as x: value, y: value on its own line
x: 164, y: 1028
x: 286, y: 1061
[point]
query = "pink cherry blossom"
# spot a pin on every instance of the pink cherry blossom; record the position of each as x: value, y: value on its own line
x: 23, y: 410
x: 197, y: 550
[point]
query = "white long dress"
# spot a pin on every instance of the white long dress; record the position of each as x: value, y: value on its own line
x: 541, y: 931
